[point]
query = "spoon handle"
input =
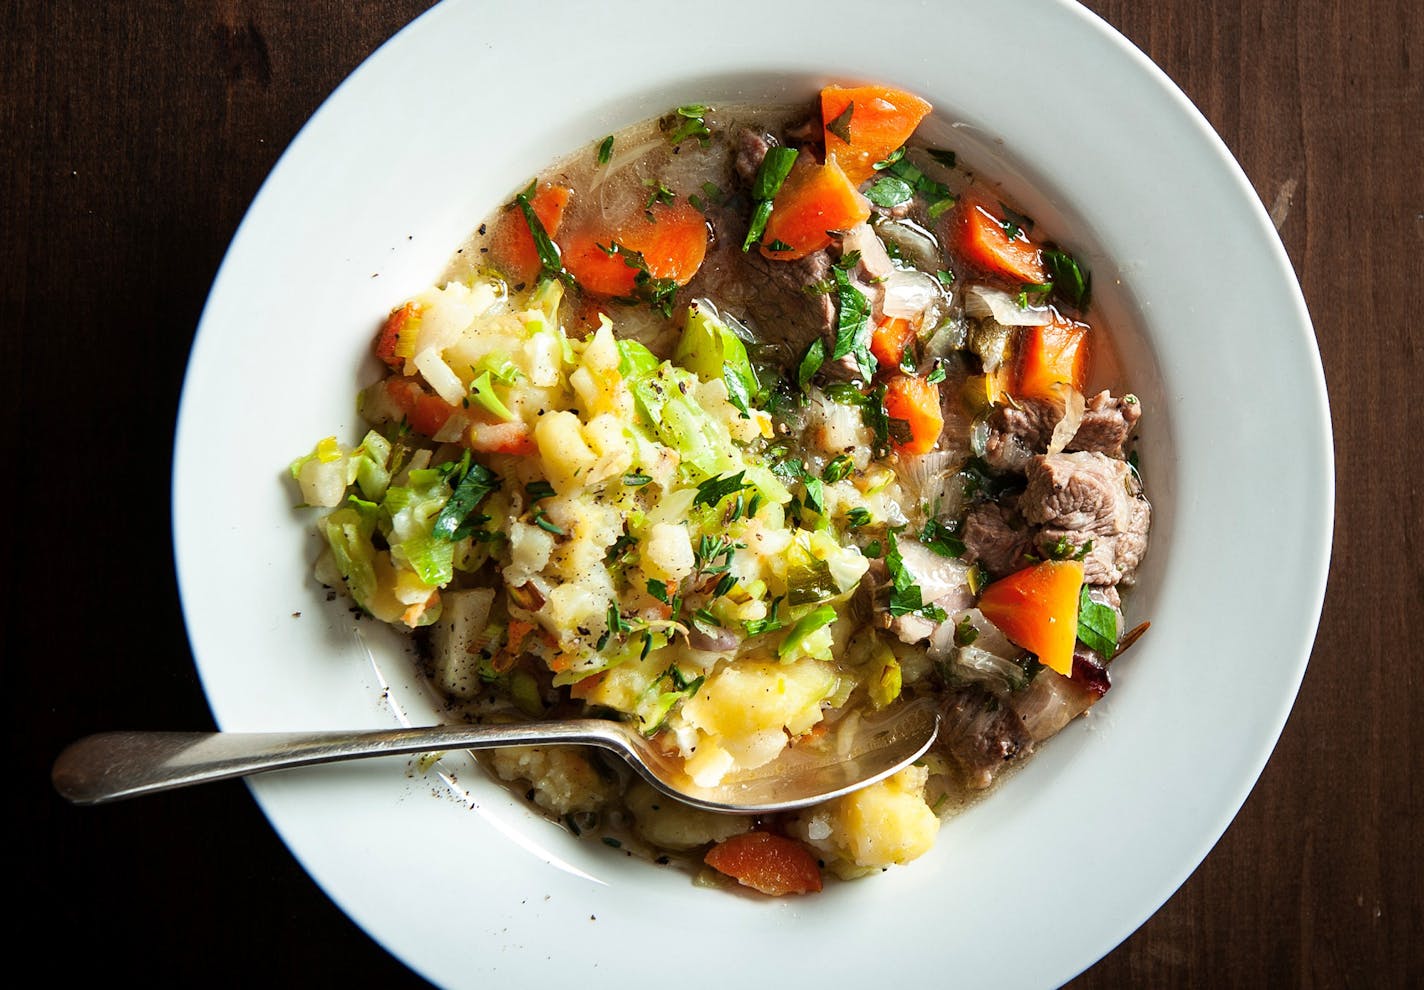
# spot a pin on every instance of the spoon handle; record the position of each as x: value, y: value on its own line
x: 115, y: 765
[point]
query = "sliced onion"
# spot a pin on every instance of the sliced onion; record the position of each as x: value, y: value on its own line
x: 1067, y: 428
x: 937, y: 576
x: 909, y: 294
x: 1049, y: 703
x: 438, y: 375
x: 916, y: 245
x: 873, y: 256
x: 982, y: 301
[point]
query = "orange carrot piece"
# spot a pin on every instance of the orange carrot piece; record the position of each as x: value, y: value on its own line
x: 396, y: 341
x: 881, y: 121
x: 512, y: 245
x: 813, y: 201
x: 916, y: 401
x: 984, y: 240
x: 1049, y: 356
x: 425, y: 413
x: 888, y: 341
x: 1037, y: 608
x: 772, y: 864
x: 513, y: 437
x: 673, y: 245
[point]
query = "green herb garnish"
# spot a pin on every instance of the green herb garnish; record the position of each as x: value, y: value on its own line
x: 840, y: 127
x: 1070, y: 279
x: 1097, y: 625
x: 605, y: 150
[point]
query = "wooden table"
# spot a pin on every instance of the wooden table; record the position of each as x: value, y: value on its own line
x: 134, y: 137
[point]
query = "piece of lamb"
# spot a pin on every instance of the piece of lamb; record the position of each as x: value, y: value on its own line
x: 981, y: 734
x: 1018, y: 432
x: 1082, y: 496
x: 992, y: 539
x: 749, y: 147
x: 1107, y: 424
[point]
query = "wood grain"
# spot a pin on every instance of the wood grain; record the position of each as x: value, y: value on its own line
x: 135, y: 136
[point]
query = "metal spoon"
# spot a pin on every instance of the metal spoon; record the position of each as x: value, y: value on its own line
x: 115, y: 765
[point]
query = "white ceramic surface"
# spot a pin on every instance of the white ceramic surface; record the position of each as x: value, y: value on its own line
x: 1027, y: 889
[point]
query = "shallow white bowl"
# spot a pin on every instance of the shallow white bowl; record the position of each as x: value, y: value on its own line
x: 1027, y: 889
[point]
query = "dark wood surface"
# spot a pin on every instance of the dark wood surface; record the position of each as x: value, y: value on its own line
x: 133, y: 137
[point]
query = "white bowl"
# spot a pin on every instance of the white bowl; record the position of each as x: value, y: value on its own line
x: 463, y: 882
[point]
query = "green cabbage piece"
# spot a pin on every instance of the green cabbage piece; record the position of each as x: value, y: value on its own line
x: 348, y: 532
x: 412, y: 510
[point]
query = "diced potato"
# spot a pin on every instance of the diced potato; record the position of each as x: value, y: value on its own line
x: 674, y: 825
x: 667, y: 555
x: 881, y: 825
x: 566, y: 458
x: 751, y: 696
x: 563, y: 779
x: 529, y: 549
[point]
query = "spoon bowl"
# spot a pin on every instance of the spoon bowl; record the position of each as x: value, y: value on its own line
x: 112, y: 766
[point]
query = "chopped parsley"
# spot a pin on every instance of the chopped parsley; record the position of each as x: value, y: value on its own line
x: 858, y: 517
x: 890, y: 159
x: 840, y: 126
x: 1071, y: 281
x: 605, y: 150
x: 942, y: 539
x: 687, y: 122
x: 853, y: 329
x: 550, y: 261
x: 454, y: 520
x: 636, y: 480
x: 1097, y: 625
x: 889, y: 191
x: 537, y: 490
x: 811, y: 362
x: 713, y: 490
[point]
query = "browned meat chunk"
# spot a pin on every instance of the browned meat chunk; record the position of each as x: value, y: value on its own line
x: 749, y: 147
x: 1018, y: 432
x: 1107, y: 424
x: 784, y: 300
x: 1086, y: 496
x: 981, y: 734
x: 995, y: 537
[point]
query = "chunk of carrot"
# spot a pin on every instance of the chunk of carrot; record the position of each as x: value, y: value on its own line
x: 1037, y: 608
x: 881, y: 120
x: 993, y: 245
x: 1049, y: 356
x: 888, y: 341
x: 425, y: 413
x: 772, y: 864
x: 916, y: 401
x: 814, y: 201
x: 672, y: 243
x: 511, y: 245
x: 396, y: 341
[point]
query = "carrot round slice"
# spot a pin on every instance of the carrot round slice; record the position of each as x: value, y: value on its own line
x: 881, y: 119
x: 916, y: 401
x: 814, y: 201
x: 772, y: 864
x: 1037, y: 608
x: 512, y: 245
x: 672, y: 245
